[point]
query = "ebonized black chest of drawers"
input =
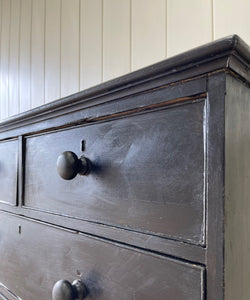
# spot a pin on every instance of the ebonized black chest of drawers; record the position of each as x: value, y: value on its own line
x: 156, y: 205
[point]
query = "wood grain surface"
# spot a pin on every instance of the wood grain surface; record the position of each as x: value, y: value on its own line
x: 110, y: 271
x: 147, y: 172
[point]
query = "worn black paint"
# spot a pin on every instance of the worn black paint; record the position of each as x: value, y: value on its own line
x: 109, y: 271
x: 140, y: 173
x: 173, y: 114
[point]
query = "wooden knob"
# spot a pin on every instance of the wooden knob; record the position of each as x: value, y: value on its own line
x: 64, y: 290
x: 68, y: 165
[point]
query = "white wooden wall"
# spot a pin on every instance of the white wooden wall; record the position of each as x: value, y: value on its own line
x: 52, y: 48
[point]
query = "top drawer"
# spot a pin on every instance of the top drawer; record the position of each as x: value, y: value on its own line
x: 147, y: 172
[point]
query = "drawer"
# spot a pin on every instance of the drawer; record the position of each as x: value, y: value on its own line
x: 30, y: 267
x: 8, y: 171
x: 147, y: 172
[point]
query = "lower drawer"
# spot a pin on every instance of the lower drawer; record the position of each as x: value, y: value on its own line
x: 34, y: 256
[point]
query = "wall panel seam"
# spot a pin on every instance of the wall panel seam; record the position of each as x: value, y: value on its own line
x: 60, y: 59
x: 31, y: 25
x: 8, y: 88
x: 102, y: 12
x: 19, y: 47
x: 44, y: 52
x: 212, y: 16
x: 1, y: 26
x: 79, y: 45
x: 166, y: 28
x: 130, y: 38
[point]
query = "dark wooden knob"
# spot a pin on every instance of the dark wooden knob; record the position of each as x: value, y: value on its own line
x: 64, y: 290
x: 68, y: 165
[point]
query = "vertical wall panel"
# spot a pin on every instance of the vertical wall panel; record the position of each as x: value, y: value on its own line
x: 116, y: 38
x: 90, y: 43
x: 67, y: 45
x: 148, y: 32
x: 5, y: 42
x: 52, y: 50
x: 0, y: 52
x: 189, y: 24
x: 25, y: 55
x: 37, y: 53
x: 70, y: 47
x: 14, y: 58
x: 232, y: 17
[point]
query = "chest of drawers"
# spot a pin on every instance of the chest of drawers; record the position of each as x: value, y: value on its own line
x: 135, y: 189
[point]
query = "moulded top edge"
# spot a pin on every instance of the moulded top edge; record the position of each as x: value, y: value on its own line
x: 172, y: 68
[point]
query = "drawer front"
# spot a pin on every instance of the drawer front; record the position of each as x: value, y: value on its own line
x: 8, y: 171
x: 147, y: 172
x: 31, y: 266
